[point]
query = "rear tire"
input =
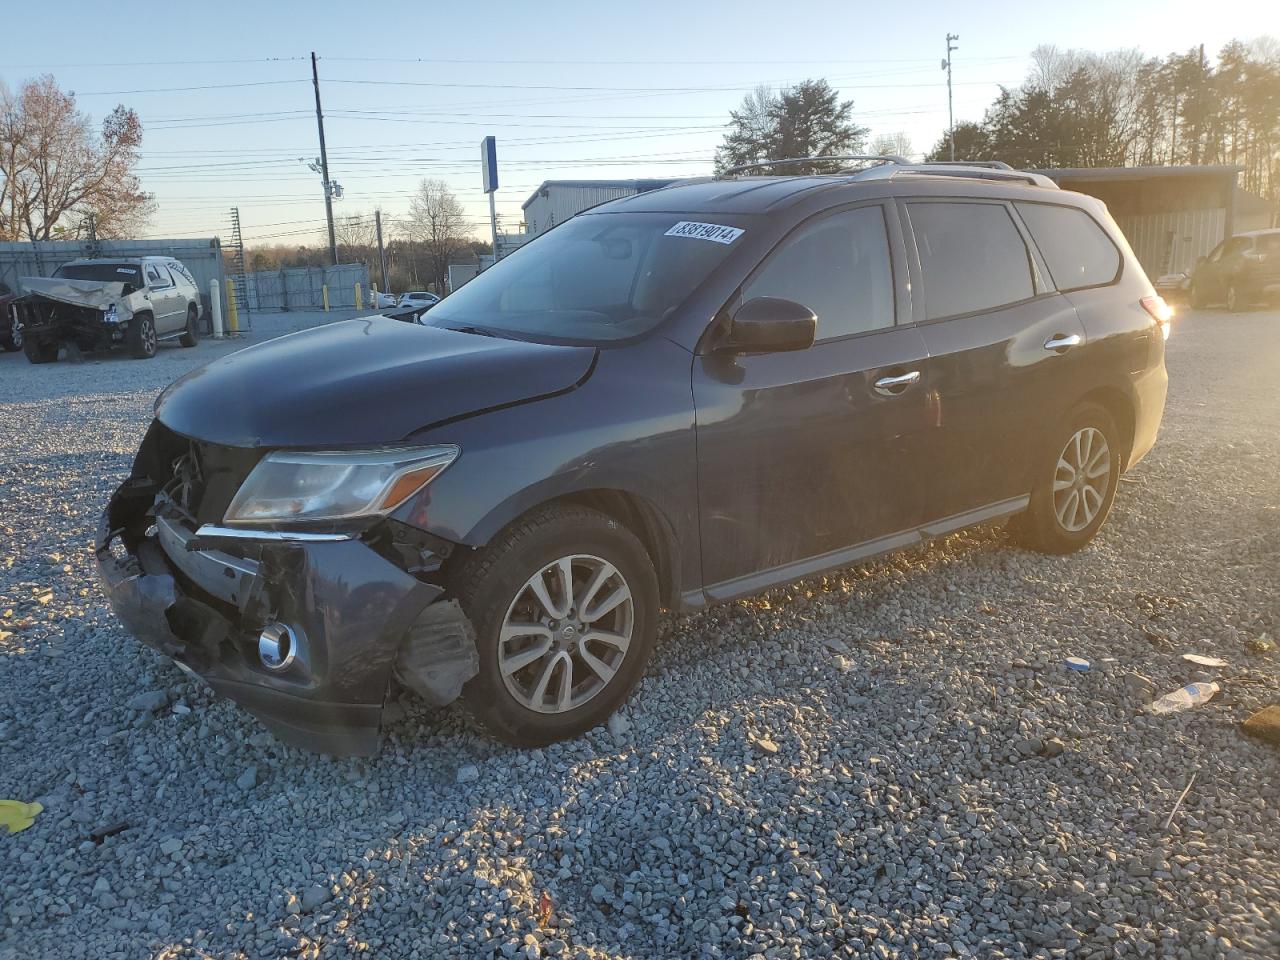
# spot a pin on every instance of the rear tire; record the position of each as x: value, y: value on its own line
x: 1074, y: 484
x: 191, y: 336
x: 141, y: 336
x: 513, y: 592
x: 40, y: 351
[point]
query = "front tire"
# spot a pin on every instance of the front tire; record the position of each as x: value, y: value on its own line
x: 565, y: 606
x: 1074, y: 485
x: 191, y: 335
x: 40, y: 351
x: 141, y: 336
x: 1198, y: 299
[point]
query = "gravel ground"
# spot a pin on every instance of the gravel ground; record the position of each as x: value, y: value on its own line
x: 891, y: 761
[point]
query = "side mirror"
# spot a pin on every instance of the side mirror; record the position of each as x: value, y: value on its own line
x: 771, y: 325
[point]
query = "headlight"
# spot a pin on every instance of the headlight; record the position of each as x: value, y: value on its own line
x: 335, y: 486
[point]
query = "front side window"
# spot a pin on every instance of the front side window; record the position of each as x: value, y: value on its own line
x: 1075, y: 248
x: 838, y: 266
x: 972, y: 257
x: 598, y: 278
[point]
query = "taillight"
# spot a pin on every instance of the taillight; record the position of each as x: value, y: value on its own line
x: 1160, y: 312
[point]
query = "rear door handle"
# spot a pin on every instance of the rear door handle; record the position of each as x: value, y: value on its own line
x: 1061, y: 343
x: 892, y: 386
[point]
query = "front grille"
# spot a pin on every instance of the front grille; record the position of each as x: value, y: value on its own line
x: 197, y: 478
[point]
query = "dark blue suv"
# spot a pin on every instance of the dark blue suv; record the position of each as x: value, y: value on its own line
x: 672, y: 400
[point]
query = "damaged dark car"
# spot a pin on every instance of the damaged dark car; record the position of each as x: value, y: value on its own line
x: 673, y: 400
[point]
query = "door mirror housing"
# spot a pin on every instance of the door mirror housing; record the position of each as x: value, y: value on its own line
x: 771, y: 325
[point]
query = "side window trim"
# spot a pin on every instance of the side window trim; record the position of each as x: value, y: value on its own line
x: 919, y: 315
x: 1031, y: 240
x: 897, y: 266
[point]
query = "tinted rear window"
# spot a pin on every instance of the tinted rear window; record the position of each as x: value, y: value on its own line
x: 1076, y: 249
x: 972, y: 256
x: 106, y: 272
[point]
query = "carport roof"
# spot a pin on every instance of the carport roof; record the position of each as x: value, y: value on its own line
x: 1138, y: 173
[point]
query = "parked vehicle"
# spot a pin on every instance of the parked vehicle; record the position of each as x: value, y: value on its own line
x: 95, y: 304
x: 676, y: 399
x: 10, y: 325
x: 419, y: 299
x: 1239, y: 272
x: 383, y: 301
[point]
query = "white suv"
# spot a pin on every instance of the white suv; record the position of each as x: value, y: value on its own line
x: 136, y: 302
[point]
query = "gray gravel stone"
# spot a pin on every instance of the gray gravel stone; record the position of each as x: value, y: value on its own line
x: 898, y: 818
x: 148, y: 701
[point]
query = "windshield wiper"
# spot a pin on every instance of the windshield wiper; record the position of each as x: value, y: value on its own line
x: 478, y: 331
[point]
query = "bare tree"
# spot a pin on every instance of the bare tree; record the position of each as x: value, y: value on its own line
x: 356, y: 236
x: 55, y: 172
x: 437, y: 221
x: 898, y: 144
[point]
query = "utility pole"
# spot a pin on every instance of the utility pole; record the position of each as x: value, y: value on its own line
x: 946, y: 65
x: 382, y: 253
x: 324, y: 164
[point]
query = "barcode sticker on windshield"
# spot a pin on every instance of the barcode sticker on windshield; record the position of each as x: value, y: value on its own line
x: 705, y: 231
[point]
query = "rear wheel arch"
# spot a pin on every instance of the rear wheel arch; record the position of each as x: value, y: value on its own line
x: 1122, y: 412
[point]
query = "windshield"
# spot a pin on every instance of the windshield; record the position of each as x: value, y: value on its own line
x: 107, y: 272
x: 598, y: 277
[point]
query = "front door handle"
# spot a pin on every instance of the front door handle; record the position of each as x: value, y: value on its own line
x: 1061, y: 343
x: 892, y: 386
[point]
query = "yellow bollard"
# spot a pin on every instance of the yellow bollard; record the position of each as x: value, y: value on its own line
x: 359, y: 298
x: 324, y: 292
x: 233, y: 314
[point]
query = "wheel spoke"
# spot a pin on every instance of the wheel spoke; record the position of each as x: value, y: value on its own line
x: 1063, y: 465
x: 1100, y: 464
x: 616, y: 640
x: 1065, y: 508
x: 539, y: 587
x: 618, y: 596
x: 605, y: 571
x: 601, y: 669
x: 518, y: 661
x: 539, y: 694
x: 564, y: 570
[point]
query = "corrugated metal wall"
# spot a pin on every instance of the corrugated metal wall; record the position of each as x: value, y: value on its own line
x: 561, y: 203
x: 301, y: 288
x: 202, y: 256
x: 1172, y: 242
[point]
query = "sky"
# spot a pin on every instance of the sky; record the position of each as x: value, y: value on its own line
x: 570, y: 89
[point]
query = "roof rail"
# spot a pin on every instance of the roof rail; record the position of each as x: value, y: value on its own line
x: 977, y: 170
x: 888, y: 159
x: 993, y: 164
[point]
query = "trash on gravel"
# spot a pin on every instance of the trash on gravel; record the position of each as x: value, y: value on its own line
x: 17, y: 815
x: 1178, y: 803
x: 1184, y: 698
x: 1260, y: 644
x: 1265, y: 724
x: 1077, y: 663
x: 1202, y: 661
x: 99, y: 834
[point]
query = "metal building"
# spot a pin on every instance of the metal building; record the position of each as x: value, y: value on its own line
x: 558, y: 200
x: 1171, y: 216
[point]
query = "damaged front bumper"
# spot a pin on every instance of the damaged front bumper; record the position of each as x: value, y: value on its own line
x: 305, y: 631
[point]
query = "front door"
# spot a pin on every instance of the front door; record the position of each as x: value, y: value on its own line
x: 1003, y: 350
x: 802, y: 455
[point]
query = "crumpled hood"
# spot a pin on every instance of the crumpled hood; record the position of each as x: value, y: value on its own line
x: 362, y: 382
x: 95, y: 294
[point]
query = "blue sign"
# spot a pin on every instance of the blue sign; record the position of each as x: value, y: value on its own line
x: 489, y: 163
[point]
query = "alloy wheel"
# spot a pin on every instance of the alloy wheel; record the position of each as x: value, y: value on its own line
x: 1081, y: 480
x: 1233, y: 299
x: 566, y: 633
x: 148, y: 337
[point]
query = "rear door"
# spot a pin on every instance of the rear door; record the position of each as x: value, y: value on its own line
x: 803, y: 454
x: 163, y: 295
x: 1002, y: 348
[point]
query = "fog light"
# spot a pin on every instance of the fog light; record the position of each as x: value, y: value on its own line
x: 277, y: 647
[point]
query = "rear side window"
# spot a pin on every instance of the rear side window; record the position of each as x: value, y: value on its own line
x: 1076, y: 249
x: 972, y: 256
x: 839, y: 268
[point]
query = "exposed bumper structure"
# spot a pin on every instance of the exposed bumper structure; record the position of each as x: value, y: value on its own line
x: 205, y: 598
